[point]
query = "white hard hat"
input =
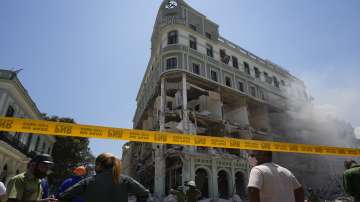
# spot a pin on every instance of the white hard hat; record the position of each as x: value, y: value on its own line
x: 191, y: 183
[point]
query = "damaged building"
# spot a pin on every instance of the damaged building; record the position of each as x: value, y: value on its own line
x: 199, y: 83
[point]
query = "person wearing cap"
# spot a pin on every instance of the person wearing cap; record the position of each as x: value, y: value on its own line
x: 26, y: 187
x: 193, y: 193
x: 79, y: 173
x: 351, y: 179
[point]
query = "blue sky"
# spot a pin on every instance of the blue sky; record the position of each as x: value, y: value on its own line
x: 85, y: 59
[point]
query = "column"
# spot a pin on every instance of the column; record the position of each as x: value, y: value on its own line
x: 232, y: 188
x: 215, y: 191
x: 160, y: 172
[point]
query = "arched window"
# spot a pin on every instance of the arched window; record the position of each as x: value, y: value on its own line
x: 223, y: 184
x: 173, y: 37
x: 202, y: 182
x: 240, y: 185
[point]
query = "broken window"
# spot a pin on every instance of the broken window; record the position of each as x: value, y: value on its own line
x: 208, y: 35
x: 276, y: 82
x: 283, y: 82
x: 214, y: 76
x: 197, y: 108
x: 172, y: 37
x: 193, y: 27
x: 196, y: 68
x: 241, y: 86
x: 10, y: 112
x: 171, y: 63
x: 192, y: 41
x: 228, y: 81
x: 169, y: 105
x: 209, y: 50
x: 257, y: 72
x: 235, y: 62
x: 246, y: 68
x: 252, y: 91
x: 224, y: 58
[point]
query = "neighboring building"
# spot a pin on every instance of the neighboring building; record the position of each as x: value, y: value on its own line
x: 16, y: 148
x: 197, y: 82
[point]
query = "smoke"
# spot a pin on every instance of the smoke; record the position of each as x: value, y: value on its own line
x: 322, y: 121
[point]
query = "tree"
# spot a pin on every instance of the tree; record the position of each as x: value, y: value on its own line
x: 68, y: 152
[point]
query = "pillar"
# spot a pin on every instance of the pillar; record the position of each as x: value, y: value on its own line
x: 160, y: 172
x: 214, y: 185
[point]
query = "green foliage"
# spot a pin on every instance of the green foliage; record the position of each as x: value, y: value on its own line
x: 68, y: 152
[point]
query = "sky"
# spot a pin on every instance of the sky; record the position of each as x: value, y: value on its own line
x: 85, y: 59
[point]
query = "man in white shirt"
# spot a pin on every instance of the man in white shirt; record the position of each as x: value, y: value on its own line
x: 269, y: 182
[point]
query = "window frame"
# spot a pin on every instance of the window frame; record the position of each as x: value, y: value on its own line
x: 247, y: 68
x: 169, y: 41
x: 192, y: 42
x: 227, y: 78
x: 235, y: 62
x: 209, y: 49
x: 198, y: 66
x: 176, y: 63
x: 216, y: 75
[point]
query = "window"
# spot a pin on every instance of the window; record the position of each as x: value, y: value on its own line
x: 276, y: 82
x: 228, y: 81
x: 241, y: 86
x: 192, y: 41
x: 196, y: 68
x: 169, y: 105
x: 10, y: 112
x: 193, y: 27
x: 197, y: 108
x: 171, y: 63
x: 224, y: 58
x: 283, y: 82
x: 172, y: 37
x: 252, y: 91
x: 208, y: 35
x: 268, y: 79
x: 214, y: 76
x: 209, y: 50
x: 257, y: 72
x: 246, y: 68
x: 235, y: 62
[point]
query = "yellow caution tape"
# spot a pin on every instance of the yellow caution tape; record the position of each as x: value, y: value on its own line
x: 78, y: 130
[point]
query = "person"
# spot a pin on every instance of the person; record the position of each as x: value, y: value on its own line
x: 26, y: 187
x: 179, y: 193
x: 269, y: 182
x: 107, y: 185
x: 192, y: 194
x: 171, y: 197
x: 2, y: 192
x: 351, y: 179
x: 79, y: 173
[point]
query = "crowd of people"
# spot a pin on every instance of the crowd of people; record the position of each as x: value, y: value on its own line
x: 268, y: 182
